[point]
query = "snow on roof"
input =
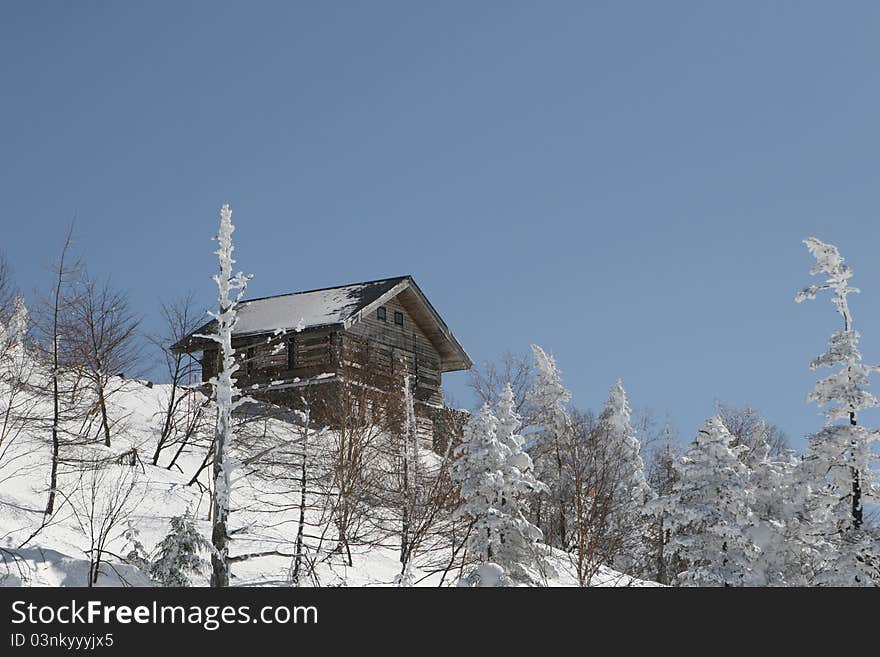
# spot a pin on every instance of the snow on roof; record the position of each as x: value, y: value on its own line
x: 308, y: 309
x: 304, y: 310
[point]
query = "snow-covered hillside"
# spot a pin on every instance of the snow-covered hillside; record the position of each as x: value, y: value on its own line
x: 56, y: 555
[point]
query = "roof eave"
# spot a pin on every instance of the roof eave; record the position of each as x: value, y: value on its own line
x: 456, y: 365
x: 199, y: 344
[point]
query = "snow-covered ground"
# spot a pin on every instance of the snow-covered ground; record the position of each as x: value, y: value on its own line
x: 57, y: 556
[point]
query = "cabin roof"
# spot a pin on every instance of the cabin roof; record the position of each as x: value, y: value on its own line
x: 341, y: 306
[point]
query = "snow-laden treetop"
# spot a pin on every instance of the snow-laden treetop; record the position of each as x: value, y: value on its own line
x: 844, y: 390
x: 830, y: 262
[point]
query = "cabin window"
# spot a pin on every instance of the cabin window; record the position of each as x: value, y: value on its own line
x: 381, y: 314
x: 398, y: 318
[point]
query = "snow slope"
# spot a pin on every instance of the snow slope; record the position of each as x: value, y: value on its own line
x: 56, y: 555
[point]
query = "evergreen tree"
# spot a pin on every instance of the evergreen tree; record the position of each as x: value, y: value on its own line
x: 840, y: 456
x: 518, y: 536
x: 494, y: 474
x: 549, y: 397
x: 662, y: 477
x: 777, y: 503
x: 708, y: 512
x: 179, y: 554
x: 630, y: 491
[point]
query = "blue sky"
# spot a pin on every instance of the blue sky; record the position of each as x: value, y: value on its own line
x: 624, y: 183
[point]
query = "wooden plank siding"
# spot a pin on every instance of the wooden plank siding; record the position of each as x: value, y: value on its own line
x: 404, y: 346
x: 283, y: 357
x: 394, y: 349
x: 391, y: 349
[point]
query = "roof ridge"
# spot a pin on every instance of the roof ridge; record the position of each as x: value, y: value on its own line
x: 324, y: 289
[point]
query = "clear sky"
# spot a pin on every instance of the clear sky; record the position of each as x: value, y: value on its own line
x: 625, y: 183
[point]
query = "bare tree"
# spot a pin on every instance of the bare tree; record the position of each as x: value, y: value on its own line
x: 651, y: 431
x: 303, y: 483
x: 589, y: 469
x: 102, y: 502
x: 429, y: 523
x: 489, y: 379
x: 8, y: 291
x: 356, y: 407
x: 284, y: 459
x: 332, y: 480
x: 180, y: 319
x: 103, y: 340
x: 749, y: 428
x: 52, y: 329
x: 195, y: 425
x: 360, y: 485
x: 17, y: 401
x: 417, y: 491
x: 594, y: 465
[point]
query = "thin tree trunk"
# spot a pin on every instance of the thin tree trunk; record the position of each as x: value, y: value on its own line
x: 105, y: 424
x: 204, y: 465
x: 53, y: 474
x: 661, y: 558
x: 95, y: 570
x: 166, y: 426
x: 219, y: 536
x: 56, y: 411
x: 559, y: 471
x: 302, y: 504
x: 180, y: 448
x: 856, y: 488
x: 405, y: 516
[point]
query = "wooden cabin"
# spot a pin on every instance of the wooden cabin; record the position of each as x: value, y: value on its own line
x: 287, y: 343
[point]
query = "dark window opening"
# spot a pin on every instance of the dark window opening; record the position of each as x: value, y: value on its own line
x: 398, y: 318
x: 291, y: 354
x: 381, y: 314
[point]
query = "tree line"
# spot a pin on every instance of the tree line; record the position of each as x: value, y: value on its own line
x: 524, y: 486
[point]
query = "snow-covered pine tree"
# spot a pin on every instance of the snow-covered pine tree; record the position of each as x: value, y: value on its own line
x: 630, y: 491
x: 549, y: 398
x: 519, y: 537
x: 775, y: 527
x: 840, y: 456
x: 708, y: 512
x: 494, y: 474
x: 13, y: 337
x: 230, y: 287
x: 17, y: 367
x: 479, y: 472
x: 18, y: 323
x: 486, y: 575
x: 178, y: 556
